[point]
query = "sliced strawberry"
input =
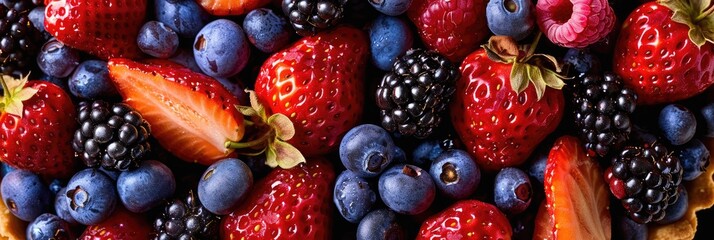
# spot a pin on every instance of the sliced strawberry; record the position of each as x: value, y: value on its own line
x: 231, y: 7
x: 192, y: 115
x: 577, y: 196
x: 544, y: 224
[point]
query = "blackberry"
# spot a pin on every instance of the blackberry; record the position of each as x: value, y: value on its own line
x: 416, y: 92
x: 22, y: 5
x: 111, y: 136
x: 602, y: 106
x: 310, y: 16
x: 19, y: 40
x: 186, y: 220
x: 645, y: 179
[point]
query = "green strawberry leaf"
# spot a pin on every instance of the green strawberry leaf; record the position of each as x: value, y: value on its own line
x: 519, y: 77
x: 284, y: 129
x: 271, y: 157
x: 14, y: 93
x: 534, y: 75
x: 552, y: 79
x: 287, y: 156
x: 696, y: 15
x: 501, y: 49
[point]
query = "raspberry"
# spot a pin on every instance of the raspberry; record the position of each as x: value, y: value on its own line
x: 575, y: 23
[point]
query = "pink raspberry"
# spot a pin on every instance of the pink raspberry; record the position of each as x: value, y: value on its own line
x: 575, y: 23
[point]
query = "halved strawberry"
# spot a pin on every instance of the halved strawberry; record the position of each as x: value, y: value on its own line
x: 231, y: 7
x: 543, y: 224
x: 576, y: 194
x: 191, y: 115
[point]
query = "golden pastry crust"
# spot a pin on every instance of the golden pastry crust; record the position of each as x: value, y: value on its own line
x: 701, y: 196
x: 11, y: 228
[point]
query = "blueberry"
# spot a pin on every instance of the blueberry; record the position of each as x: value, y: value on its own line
x: 56, y: 59
x: 5, y: 169
x: 625, y: 228
x: 582, y: 61
x: 677, y: 123
x: 267, y: 31
x: 366, y: 150
x: 37, y: 17
x: 157, y: 39
x: 677, y: 210
x: 55, y: 186
x: 91, y: 196
x: 455, y: 174
x: 62, y: 206
x: 427, y: 152
x: 398, y: 155
x: 111, y: 174
x: 695, y: 158
x: 514, y: 18
x: 391, y: 7
x: 91, y: 81
x: 353, y: 196
x: 537, y: 165
x: 185, y: 17
x: 380, y: 224
x: 48, y: 226
x: 512, y: 190
x: 145, y: 187
x: 708, y: 114
x: 406, y: 189
x: 389, y: 38
x: 221, y: 48
x: 186, y: 59
x: 224, y: 185
x: 25, y: 195
x: 236, y: 89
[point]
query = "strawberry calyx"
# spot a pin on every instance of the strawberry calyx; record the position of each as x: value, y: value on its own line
x: 697, y: 15
x: 14, y: 93
x: 528, y: 67
x: 273, y: 132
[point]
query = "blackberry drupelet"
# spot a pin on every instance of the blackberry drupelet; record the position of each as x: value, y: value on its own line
x: 111, y: 136
x: 645, y: 179
x: 22, y: 5
x: 602, y: 106
x: 415, y: 94
x: 19, y: 40
x: 186, y: 220
x: 311, y: 16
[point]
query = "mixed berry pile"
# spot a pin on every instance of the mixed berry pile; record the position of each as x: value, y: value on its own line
x: 344, y: 119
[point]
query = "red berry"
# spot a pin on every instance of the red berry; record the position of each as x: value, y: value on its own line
x: 575, y: 23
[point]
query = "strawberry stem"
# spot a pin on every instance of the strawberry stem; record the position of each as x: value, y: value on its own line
x: 708, y: 11
x: 534, y: 44
x: 263, y: 139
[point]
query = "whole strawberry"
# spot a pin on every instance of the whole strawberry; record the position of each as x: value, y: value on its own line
x: 467, y: 219
x: 318, y: 84
x: 665, y: 50
x: 122, y: 225
x: 36, y: 127
x: 106, y: 28
x: 504, y: 105
x: 453, y: 28
x: 291, y: 203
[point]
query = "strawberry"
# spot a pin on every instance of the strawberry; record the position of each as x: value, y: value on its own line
x: 231, y: 7
x: 37, y: 122
x: 287, y: 204
x: 191, y: 115
x: 666, y: 56
x: 94, y: 27
x: 453, y: 28
x: 498, y: 114
x: 576, y: 194
x: 318, y: 84
x: 467, y: 219
x: 543, y: 224
x: 121, y: 225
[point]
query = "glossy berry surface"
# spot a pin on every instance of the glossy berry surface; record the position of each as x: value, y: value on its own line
x: 90, y: 80
x: 219, y: 58
x: 455, y: 174
x: 266, y: 30
x: 380, y: 224
x: 406, y: 189
x: 391, y: 7
x: 677, y: 123
x: 367, y: 150
x: 389, y: 37
x: 694, y: 156
x: 575, y: 23
x: 49, y: 226
x: 512, y: 190
x: 513, y: 18
x: 157, y: 39
x: 145, y: 187
x: 56, y: 59
x: 185, y: 17
x: 353, y: 196
x: 62, y: 206
x: 224, y: 185
x: 91, y: 196
x: 25, y: 195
